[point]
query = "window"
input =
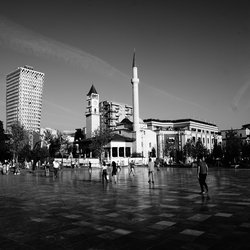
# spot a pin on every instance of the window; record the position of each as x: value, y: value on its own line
x: 121, y: 151
x: 114, y: 152
x: 128, y: 152
x: 150, y: 145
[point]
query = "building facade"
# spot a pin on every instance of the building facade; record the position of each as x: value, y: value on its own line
x: 181, y: 131
x: 24, y: 89
x: 243, y: 134
x: 112, y: 113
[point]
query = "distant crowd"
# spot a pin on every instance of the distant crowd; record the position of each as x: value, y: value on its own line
x: 8, y: 167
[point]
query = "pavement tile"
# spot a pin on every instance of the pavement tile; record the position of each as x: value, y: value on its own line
x: 122, y: 231
x: 71, y: 212
x: 113, y: 215
x: 223, y: 215
x: 199, y: 217
x: 192, y: 232
x: 245, y: 225
x: 167, y: 215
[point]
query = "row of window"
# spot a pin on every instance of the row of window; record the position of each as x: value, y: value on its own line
x: 203, y: 140
x: 118, y: 152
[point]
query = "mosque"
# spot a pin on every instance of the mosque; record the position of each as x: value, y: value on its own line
x: 140, y: 139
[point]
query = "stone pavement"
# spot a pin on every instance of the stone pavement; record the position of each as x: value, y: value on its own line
x: 74, y: 212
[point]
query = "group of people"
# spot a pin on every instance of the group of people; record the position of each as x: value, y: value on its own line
x: 202, y: 172
x: 56, y: 167
x: 116, y: 168
x: 7, y: 166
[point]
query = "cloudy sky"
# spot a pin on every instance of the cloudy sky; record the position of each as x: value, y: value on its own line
x: 193, y: 57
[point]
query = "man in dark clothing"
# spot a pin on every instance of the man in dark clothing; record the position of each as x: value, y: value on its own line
x: 202, y: 171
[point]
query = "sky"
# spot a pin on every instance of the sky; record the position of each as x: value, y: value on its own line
x: 193, y: 57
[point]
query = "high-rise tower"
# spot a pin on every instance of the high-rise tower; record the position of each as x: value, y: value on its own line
x: 136, y: 125
x: 24, y: 88
x: 92, y: 112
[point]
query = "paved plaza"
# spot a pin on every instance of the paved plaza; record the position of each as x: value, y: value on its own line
x: 77, y: 211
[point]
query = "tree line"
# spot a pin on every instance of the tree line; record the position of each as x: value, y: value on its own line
x: 233, y: 151
x: 15, y: 146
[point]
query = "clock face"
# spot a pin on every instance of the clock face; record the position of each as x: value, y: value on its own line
x: 95, y: 102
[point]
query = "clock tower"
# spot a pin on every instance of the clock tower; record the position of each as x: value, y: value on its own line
x: 92, y: 112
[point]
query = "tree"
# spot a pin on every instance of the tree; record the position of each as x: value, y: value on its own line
x: 3, y: 146
x: 217, y: 151
x: 169, y: 147
x: 57, y: 143
x: 233, y: 147
x: 18, y: 140
x: 188, y: 148
x: 99, y: 141
x: 40, y: 153
x: 200, y: 149
x: 25, y: 153
x: 246, y: 150
x: 64, y: 143
x: 194, y: 150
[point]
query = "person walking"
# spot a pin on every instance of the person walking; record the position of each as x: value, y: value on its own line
x: 132, y: 167
x: 90, y: 168
x: 46, y: 168
x: 4, y: 169
x: 104, y: 172
x: 202, y: 171
x: 150, y: 171
x: 157, y: 164
x: 114, y: 171
x: 56, y: 166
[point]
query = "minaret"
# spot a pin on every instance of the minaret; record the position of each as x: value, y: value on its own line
x: 92, y: 112
x: 136, y: 125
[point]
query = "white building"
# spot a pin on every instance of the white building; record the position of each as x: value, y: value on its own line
x: 182, y: 130
x: 132, y: 135
x: 24, y: 89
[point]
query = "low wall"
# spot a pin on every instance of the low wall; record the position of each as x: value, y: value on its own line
x: 79, y: 161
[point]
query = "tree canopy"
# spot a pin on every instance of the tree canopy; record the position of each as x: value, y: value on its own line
x: 101, y: 138
x: 19, y: 138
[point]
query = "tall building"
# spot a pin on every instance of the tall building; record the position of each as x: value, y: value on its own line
x: 92, y: 112
x: 112, y: 113
x: 24, y: 89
